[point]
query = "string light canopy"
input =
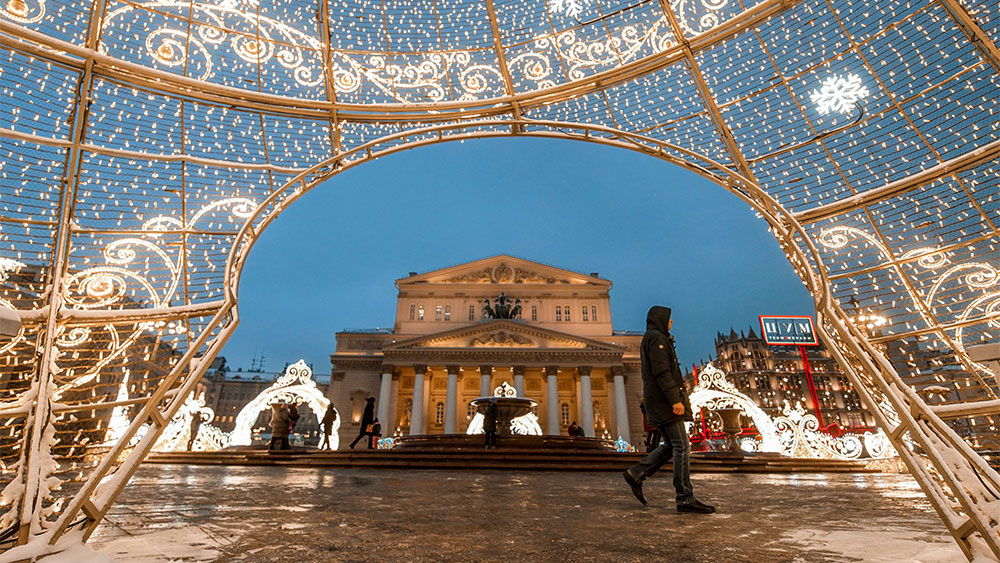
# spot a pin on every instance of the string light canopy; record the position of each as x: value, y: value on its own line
x: 147, y: 144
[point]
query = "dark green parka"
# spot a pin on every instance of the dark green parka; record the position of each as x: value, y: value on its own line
x: 662, y: 380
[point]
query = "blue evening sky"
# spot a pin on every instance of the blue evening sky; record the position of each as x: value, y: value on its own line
x: 661, y: 234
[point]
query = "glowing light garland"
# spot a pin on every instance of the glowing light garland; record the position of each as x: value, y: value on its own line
x: 968, y: 276
x: 794, y: 434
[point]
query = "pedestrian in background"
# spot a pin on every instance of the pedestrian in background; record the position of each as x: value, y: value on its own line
x: 367, y: 419
x: 327, y: 427
x: 279, y: 426
x: 490, y: 424
x: 376, y: 433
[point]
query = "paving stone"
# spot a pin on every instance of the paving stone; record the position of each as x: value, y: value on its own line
x: 323, y: 514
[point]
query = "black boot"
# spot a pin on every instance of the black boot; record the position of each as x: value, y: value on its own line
x: 696, y: 506
x: 635, y: 485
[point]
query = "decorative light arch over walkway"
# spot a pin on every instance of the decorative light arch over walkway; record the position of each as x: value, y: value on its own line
x: 296, y: 385
x: 146, y: 145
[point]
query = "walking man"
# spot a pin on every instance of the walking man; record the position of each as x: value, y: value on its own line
x: 667, y: 408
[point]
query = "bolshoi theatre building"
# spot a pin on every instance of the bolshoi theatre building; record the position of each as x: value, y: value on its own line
x: 451, y: 343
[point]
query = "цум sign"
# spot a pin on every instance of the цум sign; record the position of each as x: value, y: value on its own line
x: 788, y: 331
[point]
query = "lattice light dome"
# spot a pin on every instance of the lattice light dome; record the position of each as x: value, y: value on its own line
x: 146, y: 144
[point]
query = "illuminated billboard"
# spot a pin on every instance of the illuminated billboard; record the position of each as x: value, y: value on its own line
x: 788, y: 330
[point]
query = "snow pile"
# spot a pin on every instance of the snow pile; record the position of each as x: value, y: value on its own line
x: 876, y: 545
x: 188, y: 544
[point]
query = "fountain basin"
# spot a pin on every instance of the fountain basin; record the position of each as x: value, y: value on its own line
x: 508, y: 408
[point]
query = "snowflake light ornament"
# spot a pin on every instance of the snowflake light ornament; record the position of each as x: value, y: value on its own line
x: 838, y: 94
x: 571, y: 8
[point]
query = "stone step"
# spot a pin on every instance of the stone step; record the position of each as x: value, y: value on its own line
x: 554, y: 460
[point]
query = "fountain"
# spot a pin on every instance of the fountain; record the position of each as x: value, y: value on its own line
x: 509, y: 407
x: 517, y: 428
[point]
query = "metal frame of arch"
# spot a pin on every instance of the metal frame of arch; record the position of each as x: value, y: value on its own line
x: 122, y: 251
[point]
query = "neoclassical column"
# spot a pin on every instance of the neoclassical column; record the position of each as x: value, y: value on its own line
x: 621, y: 405
x: 519, y: 380
x: 451, y: 400
x: 586, y: 402
x: 417, y: 410
x: 485, y: 377
x: 385, y: 400
x: 552, y: 400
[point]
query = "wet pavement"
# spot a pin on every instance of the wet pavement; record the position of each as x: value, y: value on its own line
x: 218, y: 513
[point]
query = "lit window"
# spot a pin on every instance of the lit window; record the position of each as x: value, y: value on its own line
x: 447, y: 312
x: 420, y: 313
x: 567, y: 312
x: 558, y: 313
x: 472, y: 312
x: 534, y: 312
x: 437, y: 313
x: 584, y: 313
x: 593, y: 313
x: 439, y: 414
x: 413, y: 311
x: 564, y: 414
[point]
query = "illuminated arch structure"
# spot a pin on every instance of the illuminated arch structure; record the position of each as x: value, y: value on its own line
x: 296, y: 385
x: 147, y: 144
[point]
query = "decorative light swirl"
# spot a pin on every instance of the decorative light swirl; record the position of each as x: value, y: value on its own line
x: 23, y: 11
x: 426, y: 79
x: 72, y: 338
x: 277, y: 40
x: 99, y: 287
x: 240, y: 207
x: 974, y: 275
x: 929, y: 258
x: 698, y: 16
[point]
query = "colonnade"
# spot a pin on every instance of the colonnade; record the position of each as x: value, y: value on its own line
x: 584, y: 395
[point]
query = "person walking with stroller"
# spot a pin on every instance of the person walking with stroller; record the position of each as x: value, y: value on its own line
x: 668, y: 409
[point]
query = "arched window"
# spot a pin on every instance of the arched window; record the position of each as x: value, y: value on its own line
x: 534, y: 312
x: 413, y: 311
x: 439, y: 414
x: 584, y: 313
x: 558, y: 313
x: 567, y: 312
x: 564, y: 414
x: 420, y: 313
x: 593, y: 312
x: 437, y: 312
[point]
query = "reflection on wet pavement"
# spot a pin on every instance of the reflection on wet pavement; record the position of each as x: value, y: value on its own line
x: 216, y: 513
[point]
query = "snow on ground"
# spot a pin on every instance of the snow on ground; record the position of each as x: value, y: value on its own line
x: 877, y: 546
x: 188, y: 544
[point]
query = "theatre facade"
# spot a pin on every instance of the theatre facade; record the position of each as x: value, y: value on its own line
x: 447, y: 348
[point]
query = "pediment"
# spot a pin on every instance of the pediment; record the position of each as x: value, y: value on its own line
x: 503, y: 269
x: 504, y: 334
